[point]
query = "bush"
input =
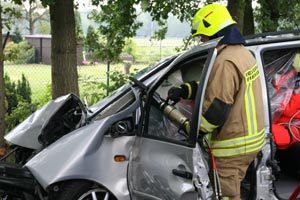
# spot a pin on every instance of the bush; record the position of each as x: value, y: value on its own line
x: 18, y: 114
x: 46, y: 97
x: 94, y: 89
x: 131, y: 48
x: 23, y: 89
x: 17, y: 37
x: 18, y: 101
x: 10, y: 94
x: 19, y: 53
x: 91, y: 89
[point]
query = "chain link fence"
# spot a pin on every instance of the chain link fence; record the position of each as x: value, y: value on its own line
x: 145, y: 52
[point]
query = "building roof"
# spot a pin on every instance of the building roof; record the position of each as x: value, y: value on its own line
x: 37, y: 36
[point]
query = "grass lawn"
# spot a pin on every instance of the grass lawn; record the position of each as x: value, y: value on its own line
x: 39, y: 76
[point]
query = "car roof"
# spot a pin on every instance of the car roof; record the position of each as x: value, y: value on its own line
x: 272, y: 37
x: 256, y: 39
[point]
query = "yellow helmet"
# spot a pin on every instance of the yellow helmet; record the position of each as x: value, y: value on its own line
x: 211, y: 19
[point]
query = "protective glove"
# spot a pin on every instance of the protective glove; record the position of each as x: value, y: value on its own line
x: 175, y: 93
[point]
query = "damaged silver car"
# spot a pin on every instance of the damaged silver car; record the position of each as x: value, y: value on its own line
x: 131, y: 145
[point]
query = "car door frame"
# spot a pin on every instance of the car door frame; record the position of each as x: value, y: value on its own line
x: 264, y: 188
x: 135, y: 193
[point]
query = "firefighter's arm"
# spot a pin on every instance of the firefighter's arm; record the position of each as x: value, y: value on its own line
x: 220, y: 95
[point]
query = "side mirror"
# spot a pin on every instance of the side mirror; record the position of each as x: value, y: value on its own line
x: 122, y: 128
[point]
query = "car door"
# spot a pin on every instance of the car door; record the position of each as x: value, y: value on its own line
x: 281, y: 64
x: 161, y: 165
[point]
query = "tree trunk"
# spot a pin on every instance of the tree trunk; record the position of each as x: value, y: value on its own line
x: 30, y: 19
x: 31, y: 27
x: 2, y: 94
x: 248, y: 28
x: 63, y: 52
x: 236, y: 9
x: 107, y: 78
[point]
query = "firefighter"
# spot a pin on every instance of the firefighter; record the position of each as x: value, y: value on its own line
x: 233, y: 106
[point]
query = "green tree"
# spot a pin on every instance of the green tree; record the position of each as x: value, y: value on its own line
x: 63, y: 46
x: 7, y: 14
x: 236, y: 9
x: 130, y: 48
x: 23, y: 89
x: 10, y: 94
x: 116, y: 22
x: 90, y: 43
x: 277, y: 15
x: 248, y: 28
x: 18, y: 102
x: 160, y: 34
x: 17, y: 37
x: 43, y: 27
x: 32, y: 14
x: 91, y: 38
x: 19, y: 53
x: 268, y: 15
x: 78, y: 26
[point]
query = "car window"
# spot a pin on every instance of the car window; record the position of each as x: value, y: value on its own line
x: 282, y: 69
x: 160, y: 126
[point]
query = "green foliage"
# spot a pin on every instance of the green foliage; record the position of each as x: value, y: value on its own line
x: 159, y: 9
x: 9, y: 14
x: 17, y: 37
x: 277, y: 15
x: 118, y: 18
x: 90, y: 42
x: 78, y: 26
x: 130, y: 48
x: 117, y: 80
x: 18, y: 101
x: 23, y: 89
x: 91, y: 38
x: 46, y: 97
x: 19, y: 53
x: 19, y: 114
x: 94, y: 89
x: 43, y: 27
x: 161, y: 33
x: 116, y: 23
x: 91, y: 90
x: 10, y: 94
x: 187, y: 41
x: 292, y: 16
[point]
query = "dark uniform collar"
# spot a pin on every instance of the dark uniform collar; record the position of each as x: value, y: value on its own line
x: 231, y: 35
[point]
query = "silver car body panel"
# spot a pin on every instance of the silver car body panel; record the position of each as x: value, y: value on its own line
x: 264, y: 175
x: 156, y: 181
x: 152, y: 162
x: 201, y: 179
x: 81, y: 155
x: 258, y: 50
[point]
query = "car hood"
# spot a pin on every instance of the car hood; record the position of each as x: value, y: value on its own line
x: 27, y: 132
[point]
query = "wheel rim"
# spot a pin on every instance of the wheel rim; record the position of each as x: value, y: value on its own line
x: 95, y: 194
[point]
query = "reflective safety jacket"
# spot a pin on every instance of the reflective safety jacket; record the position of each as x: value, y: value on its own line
x: 233, y: 106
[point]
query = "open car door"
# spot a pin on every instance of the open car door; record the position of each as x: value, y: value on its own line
x: 162, y: 164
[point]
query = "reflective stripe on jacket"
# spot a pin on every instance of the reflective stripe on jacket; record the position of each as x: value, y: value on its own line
x: 234, y: 80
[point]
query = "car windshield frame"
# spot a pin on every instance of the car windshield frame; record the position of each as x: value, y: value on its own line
x: 145, y: 77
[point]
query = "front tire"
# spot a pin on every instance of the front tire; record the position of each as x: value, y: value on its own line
x: 79, y: 190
